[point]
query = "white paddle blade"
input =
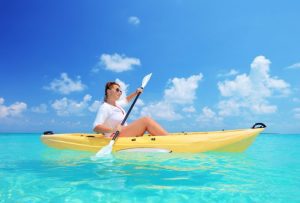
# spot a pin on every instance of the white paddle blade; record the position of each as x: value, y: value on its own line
x: 106, y: 150
x: 146, y: 79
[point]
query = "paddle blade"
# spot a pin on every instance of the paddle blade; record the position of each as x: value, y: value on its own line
x: 106, y: 150
x: 146, y: 79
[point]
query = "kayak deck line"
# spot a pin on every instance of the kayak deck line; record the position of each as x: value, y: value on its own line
x: 66, y: 143
x: 224, y: 141
x: 157, y: 150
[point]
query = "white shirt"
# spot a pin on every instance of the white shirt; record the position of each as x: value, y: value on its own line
x: 110, y: 116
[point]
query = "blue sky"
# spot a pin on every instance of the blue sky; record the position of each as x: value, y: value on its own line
x: 215, y: 64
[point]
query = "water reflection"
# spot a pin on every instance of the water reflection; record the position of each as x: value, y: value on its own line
x: 150, y: 171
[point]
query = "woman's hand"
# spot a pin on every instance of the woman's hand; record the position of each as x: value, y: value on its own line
x: 139, y: 90
x: 132, y: 95
x: 118, y: 128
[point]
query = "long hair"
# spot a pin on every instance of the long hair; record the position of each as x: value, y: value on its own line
x: 107, y: 87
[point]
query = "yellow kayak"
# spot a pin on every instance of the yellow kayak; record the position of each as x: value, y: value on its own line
x: 217, y: 141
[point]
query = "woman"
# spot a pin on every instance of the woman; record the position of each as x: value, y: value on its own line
x: 111, y: 114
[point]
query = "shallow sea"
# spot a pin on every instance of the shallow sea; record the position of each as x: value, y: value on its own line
x: 269, y: 171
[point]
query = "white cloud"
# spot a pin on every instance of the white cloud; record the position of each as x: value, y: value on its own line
x: 208, y: 113
x: 42, y: 108
x: 189, y: 109
x: 252, y: 92
x: 13, y: 110
x: 208, y: 116
x: 241, y: 85
x: 136, y: 111
x: 296, y: 112
x: 134, y: 20
x: 229, y: 107
x: 262, y: 108
x: 232, y: 72
x: 140, y: 103
x: 95, y: 106
x: 182, y: 90
x: 161, y: 110
x: 66, y: 107
x: 117, y: 63
x: 180, y: 94
x: 65, y: 85
x: 294, y: 66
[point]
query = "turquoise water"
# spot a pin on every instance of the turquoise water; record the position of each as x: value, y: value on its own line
x: 267, y: 172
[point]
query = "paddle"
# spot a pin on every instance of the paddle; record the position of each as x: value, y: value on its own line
x: 108, y: 148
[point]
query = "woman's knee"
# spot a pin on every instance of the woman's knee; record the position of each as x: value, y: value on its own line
x: 147, y: 119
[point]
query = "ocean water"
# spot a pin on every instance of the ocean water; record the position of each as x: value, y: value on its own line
x: 268, y: 171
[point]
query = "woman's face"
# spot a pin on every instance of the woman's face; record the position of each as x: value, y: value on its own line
x: 114, y: 92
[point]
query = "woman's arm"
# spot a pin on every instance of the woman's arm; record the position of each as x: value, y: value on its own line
x: 132, y: 95
x: 103, y: 129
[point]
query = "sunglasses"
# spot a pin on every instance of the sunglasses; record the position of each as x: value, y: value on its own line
x: 118, y: 90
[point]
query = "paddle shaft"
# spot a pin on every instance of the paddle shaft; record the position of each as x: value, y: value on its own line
x: 126, y: 116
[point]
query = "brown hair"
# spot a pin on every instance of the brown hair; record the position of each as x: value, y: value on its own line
x: 108, y: 86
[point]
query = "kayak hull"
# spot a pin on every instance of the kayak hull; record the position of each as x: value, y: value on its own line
x: 193, y: 142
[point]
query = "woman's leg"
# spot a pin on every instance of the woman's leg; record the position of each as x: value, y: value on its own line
x: 140, y: 126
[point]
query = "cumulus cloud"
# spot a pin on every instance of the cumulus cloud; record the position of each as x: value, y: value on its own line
x: 133, y: 20
x: 230, y: 107
x: 294, y: 66
x: 240, y: 85
x: 42, y: 108
x: 117, y: 63
x: 161, y: 110
x: 136, y: 111
x: 208, y: 116
x: 95, y: 106
x: 66, y: 107
x: 13, y: 110
x: 252, y: 91
x: 182, y: 90
x: 232, y: 72
x: 180, y: 94
x: 189, y: 109
x: 66, y: 85
x: 140, y: 103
